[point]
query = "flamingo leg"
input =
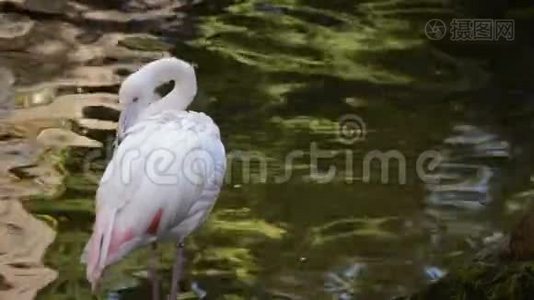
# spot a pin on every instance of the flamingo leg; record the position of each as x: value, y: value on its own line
x: 177, y: 270
x: 152, y: 272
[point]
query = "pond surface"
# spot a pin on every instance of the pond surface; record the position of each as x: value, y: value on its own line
x: 343, y: 78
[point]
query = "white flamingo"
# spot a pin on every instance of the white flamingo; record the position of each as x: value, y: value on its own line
x: 165, y: 174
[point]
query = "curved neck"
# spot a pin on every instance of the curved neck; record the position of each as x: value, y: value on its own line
x: 185, y: 83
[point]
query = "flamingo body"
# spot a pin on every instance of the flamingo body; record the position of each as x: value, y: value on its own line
x: 160, y: 185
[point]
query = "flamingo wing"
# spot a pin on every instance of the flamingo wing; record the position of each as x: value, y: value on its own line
x: 161, y: 183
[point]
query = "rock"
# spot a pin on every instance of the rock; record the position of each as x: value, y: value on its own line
x: 23, y: 241
x: 99, y: 130
x: 61, y: 138
x: 141, y: 5
x: 30, y: 69
x: 148, y: 16
x: 8, y: 133
x: 88, y: 37
x: 17, y: 3
x: 144, y: 44
x: 122, y: 53
x: 97, y: 125
x: 14, y: 31
x: 22, y: 191
x: 16, y: 153
x: 107, y: 49
x: 46, y: 6
x: 66, y: 107
x: 23, y: 172
x: 55, y: 42
x: 7, y: 79
x: 101, y: 112
x: 91, y: 76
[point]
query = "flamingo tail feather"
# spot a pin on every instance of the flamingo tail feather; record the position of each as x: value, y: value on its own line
x: 95, y: 254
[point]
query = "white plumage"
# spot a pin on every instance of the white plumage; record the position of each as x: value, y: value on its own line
x: 165, y: 175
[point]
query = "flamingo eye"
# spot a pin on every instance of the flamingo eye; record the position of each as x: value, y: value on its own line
x: 135, y: 100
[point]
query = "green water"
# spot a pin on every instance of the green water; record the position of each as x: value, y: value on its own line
x: 277, y: 78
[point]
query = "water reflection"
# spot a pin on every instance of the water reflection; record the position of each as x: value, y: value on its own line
x: 277, y: 76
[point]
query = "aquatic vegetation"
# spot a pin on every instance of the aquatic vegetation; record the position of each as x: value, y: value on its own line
x: 352, y: 227
x: 242, y: 225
